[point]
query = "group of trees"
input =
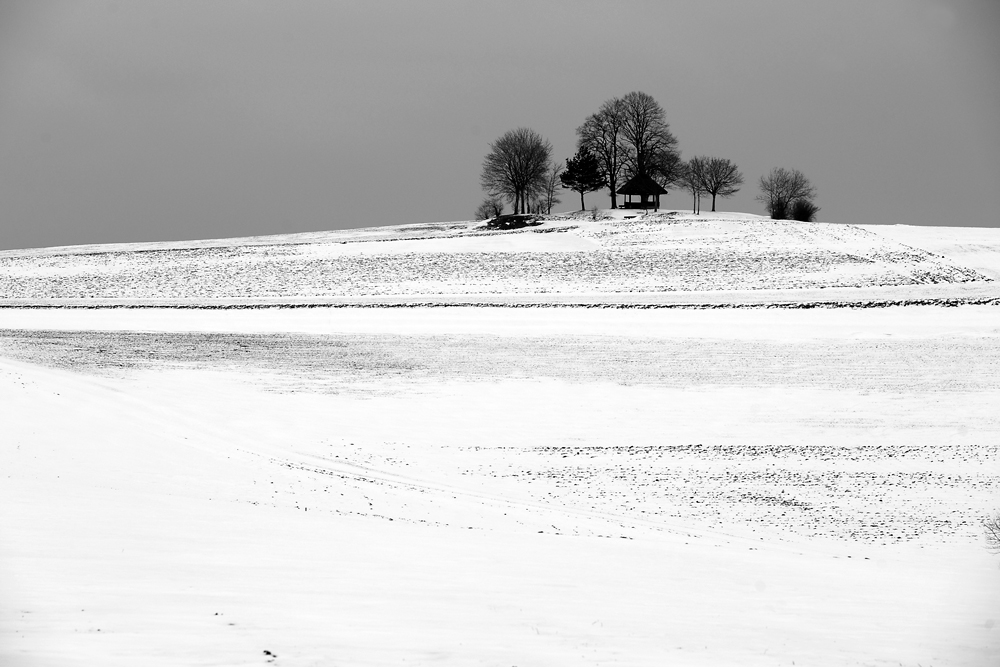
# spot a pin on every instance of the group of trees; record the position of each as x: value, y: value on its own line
x: 787, y: 193
x: 519, y: 168
x: 710, y: 176
x: 627, y: 137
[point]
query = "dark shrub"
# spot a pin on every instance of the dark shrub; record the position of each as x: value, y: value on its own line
x: 511, y: 221
x: 804, y: 210
x: 779, y: 210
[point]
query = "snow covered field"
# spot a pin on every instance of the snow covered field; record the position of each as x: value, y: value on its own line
x: 658, y: 256
x: 497, y: 486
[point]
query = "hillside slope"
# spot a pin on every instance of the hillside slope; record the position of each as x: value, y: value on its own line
x: 623, y: 254
x: 973, y: 247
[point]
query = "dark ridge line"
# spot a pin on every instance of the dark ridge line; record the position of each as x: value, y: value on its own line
x: 942, y: 302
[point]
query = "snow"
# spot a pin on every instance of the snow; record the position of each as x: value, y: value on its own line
x: 499, y: 486
x: 975, y: 247
x: 721, y: 323
x: 619, y: 256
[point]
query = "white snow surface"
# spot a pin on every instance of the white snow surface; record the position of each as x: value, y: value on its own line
x: 975, y: 247
x: 497, y: 486
x: 621, y: 255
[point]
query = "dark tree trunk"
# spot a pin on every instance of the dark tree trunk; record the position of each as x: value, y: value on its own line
x: 583, y: 207
x: 713, y: 202
x: 612, y: 184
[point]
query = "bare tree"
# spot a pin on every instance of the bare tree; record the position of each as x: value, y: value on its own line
x: 551, y: 187
x: 781, y: 188
x: 490, y: 208
x: 692, y: 179
x: 601, y: 134
x: 667, y: 167
x: 516, y: 167
x: 652, y: 149
x: 720, y: 178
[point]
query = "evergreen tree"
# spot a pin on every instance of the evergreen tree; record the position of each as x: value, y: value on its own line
x: 583, y: 174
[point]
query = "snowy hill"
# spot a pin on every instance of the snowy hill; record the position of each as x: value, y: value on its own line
x: 626, y: 255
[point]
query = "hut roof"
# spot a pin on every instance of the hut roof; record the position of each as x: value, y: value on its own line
x: 642, y: 185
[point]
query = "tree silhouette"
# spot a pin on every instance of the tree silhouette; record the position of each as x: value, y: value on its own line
x: 516, y: 167
x: 601, y: 134
x: 490, y: 208
x: 720, y: 178
x: 781, y: 188
x: 692, y: 179
x: 583, y: 174
x: 550, y: 187
x: 630, y: 135
x: 651, y: 148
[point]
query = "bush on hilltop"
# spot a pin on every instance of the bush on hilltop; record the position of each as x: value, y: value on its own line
x: 804, y: 210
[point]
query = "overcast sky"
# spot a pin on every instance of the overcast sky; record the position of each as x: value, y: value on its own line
x: 145, y: 120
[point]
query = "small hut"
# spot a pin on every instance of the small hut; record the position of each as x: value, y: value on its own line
x: 645, y: 187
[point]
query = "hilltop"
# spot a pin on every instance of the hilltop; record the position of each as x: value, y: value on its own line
x: 623, y: 257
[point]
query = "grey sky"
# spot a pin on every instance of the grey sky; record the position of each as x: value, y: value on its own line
x: 127, y: 121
